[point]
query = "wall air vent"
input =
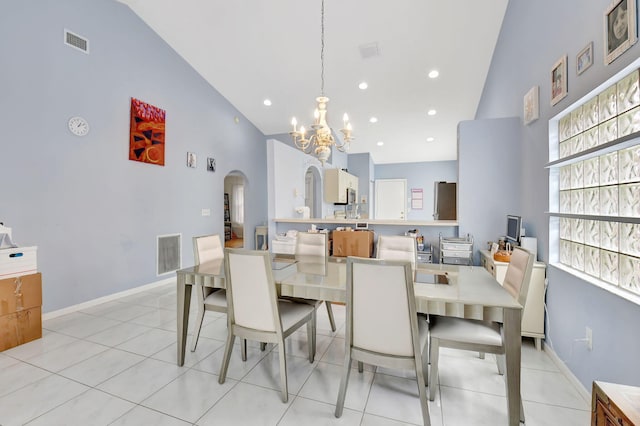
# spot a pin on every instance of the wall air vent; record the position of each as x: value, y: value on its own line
x: 76, y: 41
x: 169, y: 254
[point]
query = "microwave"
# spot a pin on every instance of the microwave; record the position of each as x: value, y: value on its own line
x: 351, y: 198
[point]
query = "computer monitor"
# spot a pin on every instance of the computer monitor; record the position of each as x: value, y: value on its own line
x: 514, y: 225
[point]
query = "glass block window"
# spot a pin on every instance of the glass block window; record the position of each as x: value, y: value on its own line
x: 597, y: 187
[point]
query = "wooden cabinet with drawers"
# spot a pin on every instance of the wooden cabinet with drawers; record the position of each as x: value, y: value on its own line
x: 613, y: 404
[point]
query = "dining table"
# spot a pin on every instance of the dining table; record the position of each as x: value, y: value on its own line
x: 440, y: 289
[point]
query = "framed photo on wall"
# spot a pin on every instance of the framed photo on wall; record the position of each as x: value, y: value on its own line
x: 559, y: 80
x: 584, y: 59
x: 620, y: 28
x: 531, y: 107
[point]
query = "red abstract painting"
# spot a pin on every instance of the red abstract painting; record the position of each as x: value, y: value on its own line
x: 146, y: 136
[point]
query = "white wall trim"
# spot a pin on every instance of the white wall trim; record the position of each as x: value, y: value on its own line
x: 584, y: 393
x: 108, y: 298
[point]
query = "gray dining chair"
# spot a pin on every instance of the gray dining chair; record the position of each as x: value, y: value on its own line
x: 310, y: 245
x: 256, y: 313
x: 382, y: 326
x: 208, y: 248
x: 475, y: 335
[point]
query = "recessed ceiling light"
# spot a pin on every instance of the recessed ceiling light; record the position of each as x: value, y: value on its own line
x: 434, y: 73
x: 363, y: 85
x: 267, y: 102
x: 373, y: 120
x: 432, y: 112
x: 430, y: 139
x: 380, y: 143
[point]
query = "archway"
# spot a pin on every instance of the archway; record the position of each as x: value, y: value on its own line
x: 312, y: 191
x: 234, y: 209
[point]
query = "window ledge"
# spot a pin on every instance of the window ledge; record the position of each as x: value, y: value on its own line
x: 627, y: 295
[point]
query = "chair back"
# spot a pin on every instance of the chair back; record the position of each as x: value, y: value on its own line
x: 397, y: 247
x: 381, y: 312
x: 207, y: 248
x: 251, y: 292
x: 312, y: 244
x: 516, y: 281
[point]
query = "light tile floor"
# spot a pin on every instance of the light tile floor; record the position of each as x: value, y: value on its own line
x: 115, y: 364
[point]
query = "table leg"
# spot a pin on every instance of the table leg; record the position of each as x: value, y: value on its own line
x: 513, y: 353
x: 183, y: 303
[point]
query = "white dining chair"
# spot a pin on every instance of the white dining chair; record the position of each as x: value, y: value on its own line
x: 475, y: 335
x: 397, y: 247
x: 382, y: 326
x: 256, y: 313
x: 208, y: 248
x: 310, y: 246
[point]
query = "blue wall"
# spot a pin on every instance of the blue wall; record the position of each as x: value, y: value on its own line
x: 93, y: 214
x: 535, y: 34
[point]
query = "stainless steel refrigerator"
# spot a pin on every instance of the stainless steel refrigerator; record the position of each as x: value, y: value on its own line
x: 444, y: 201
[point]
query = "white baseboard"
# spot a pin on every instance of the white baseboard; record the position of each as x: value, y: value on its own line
x: 108, y: 298
x: 584, y: 393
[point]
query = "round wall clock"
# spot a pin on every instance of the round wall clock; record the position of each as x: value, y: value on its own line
x: 78, y: 126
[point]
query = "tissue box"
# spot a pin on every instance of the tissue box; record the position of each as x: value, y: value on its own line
x: 18, y: 261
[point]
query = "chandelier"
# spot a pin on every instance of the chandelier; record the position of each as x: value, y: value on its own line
x: 321, y: 139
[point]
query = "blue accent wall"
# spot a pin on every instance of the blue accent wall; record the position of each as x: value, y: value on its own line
x: 93, y: 214
x: 534, y: 35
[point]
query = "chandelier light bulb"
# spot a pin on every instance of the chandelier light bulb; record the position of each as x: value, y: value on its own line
x: 294, y: 123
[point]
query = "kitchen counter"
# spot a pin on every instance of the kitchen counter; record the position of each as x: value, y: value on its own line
x: 370, y: 222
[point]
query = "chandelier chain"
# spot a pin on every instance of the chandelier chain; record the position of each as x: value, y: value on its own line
x: 321, y: 139
x: 322, y: 49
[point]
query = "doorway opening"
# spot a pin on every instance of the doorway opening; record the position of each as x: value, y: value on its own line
x: 234, y: 202
x: 312, y: 192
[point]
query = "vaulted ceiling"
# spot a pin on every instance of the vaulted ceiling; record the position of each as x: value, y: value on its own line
x: 252, y: 50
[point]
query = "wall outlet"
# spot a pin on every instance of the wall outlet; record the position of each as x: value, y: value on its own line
x: 206, y: 212
x: 589, y: 339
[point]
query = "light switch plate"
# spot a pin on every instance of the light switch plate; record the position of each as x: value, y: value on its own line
x: 206, y: 212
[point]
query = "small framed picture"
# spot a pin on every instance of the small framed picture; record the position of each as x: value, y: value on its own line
x: 192, y: 160
x: 211, y: 164
x: 559, y: 80
x: 531, y: 105
x: 620, y: 28
x: 584, y: 59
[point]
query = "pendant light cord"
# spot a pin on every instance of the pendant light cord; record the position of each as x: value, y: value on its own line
x: 322, y: 50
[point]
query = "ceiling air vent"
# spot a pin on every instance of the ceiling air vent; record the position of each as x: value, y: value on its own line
x: 369, y: 50
x: 76, y: 41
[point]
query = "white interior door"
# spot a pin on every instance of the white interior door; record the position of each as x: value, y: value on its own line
x: 391, y: 199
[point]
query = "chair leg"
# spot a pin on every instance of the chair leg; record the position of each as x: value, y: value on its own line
x: 330, y: 313
x: 422, y: 391
x: 227, y: 355
x: 434, y: 348
x: 360, y: 366
x: 311, y: 336
x: 283, y: 372
x: 243, y: 350
x: 201, y: 310
x: 344, y: 382
x: 500, y: 364
x: 481, y: 355
x: 198, y: 327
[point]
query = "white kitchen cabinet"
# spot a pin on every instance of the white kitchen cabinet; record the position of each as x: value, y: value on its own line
x: 336, y: 183
x: 533, y: 312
